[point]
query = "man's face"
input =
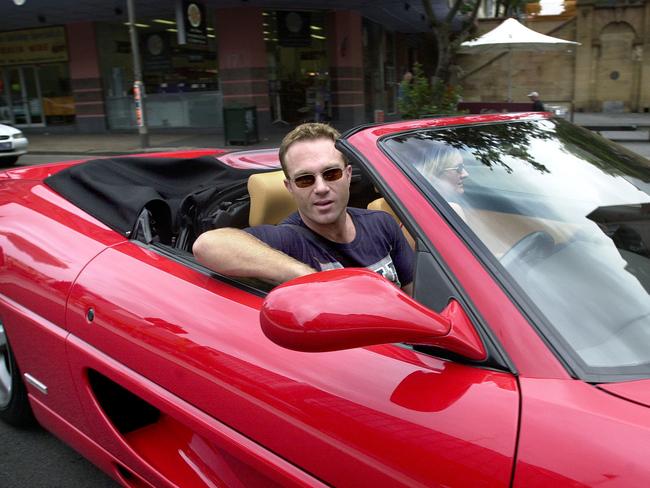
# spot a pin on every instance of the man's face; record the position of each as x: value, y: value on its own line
x: 324, y: 202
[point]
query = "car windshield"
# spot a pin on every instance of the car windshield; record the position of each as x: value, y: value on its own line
x: 567, y: 214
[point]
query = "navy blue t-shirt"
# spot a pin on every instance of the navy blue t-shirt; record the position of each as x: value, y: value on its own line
x: 379, y: 245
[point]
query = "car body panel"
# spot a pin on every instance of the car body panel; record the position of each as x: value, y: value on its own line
x: 636, y: 391
x: 589, y: 437
x: 70, y: 433
x: 258, y: 158
x: 46, y: 241
x: 210, y: 350
x: 186, y: 447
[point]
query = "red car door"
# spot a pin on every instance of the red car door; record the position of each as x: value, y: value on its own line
x: 235, y: 408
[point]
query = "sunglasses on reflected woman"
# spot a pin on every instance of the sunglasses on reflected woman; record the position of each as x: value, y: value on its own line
x: 458, y: 169
x: 307, y: 180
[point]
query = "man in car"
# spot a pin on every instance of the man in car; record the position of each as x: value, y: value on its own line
x: 323, y: 234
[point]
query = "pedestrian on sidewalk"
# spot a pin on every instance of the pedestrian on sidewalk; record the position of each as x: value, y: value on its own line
x: 538, y: 106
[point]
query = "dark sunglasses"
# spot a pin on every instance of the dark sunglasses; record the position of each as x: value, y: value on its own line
x: 307, y: 180
x: 458, y: 169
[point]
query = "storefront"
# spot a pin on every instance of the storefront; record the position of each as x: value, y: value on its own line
x: 290, y: 65
x: 298, y: 65
x: 34, y: 79
x: 181, y: 80
x: 380, y: 81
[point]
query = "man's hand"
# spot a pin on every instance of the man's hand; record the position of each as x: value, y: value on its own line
x: 233, y: 252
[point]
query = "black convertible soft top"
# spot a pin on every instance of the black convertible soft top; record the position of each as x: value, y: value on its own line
x: 116, y: 190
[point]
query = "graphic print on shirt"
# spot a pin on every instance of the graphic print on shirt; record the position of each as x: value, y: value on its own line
x: 384, y: 267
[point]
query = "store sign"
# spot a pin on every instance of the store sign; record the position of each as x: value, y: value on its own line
x: 44, y: 45
x: 294, y: 29
x: 191, y: 18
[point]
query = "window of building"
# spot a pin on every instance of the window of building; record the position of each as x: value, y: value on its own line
x: 296, y: 46
x: 56, y: 92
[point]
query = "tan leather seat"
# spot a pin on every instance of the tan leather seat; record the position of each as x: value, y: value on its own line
x: 271, y: 202
x: 382, y: 204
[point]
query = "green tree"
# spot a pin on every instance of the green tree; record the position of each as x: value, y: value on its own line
x: 458, y: 25
x: 419, y: 97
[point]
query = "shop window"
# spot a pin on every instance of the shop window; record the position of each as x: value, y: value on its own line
x: 56, y: 92
x: 296, y: 46
x: 181, y: 81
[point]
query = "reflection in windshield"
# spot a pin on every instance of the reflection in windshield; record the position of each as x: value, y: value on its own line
x: 567, y: 214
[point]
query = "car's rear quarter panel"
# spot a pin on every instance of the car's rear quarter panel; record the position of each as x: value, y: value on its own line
x: 44, y: 244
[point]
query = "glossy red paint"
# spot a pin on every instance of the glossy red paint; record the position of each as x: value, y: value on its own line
x: 347, y: 308
x: 636, y: 391
x: 259, y: 158
x: 46, y: 241
x: 574, y: 434
x: 70, y: 433
x: 184, y: 444
x: 343, y: 309
x: 410, y: 125
x: 209, y: 346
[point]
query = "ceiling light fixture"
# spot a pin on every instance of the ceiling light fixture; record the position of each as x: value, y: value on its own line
x: 144, y: 26
x: 164, y: 21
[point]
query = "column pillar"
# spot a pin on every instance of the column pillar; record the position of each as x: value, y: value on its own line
x: 346, y: 68
x: 644, y: 82
x: 243, y: 68
x: 85, y: 77
x: 585, y: 80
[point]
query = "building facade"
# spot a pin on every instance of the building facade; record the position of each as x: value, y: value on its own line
x: 68, y: 65
x: 290, y: 65
x: 608, y: 71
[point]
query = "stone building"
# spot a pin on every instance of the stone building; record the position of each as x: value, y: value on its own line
x: 609, y: 71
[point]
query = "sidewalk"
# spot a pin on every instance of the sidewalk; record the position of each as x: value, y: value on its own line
x: 126, y: 143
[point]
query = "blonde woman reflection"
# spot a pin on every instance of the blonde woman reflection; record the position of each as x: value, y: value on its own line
x: 444, y: 168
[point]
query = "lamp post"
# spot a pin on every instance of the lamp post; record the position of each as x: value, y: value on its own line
x: 138, y: 86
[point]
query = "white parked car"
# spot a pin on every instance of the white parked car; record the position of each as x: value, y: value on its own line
x: 13, y: 144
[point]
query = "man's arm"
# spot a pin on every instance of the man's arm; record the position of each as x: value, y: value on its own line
x: 233, y: 252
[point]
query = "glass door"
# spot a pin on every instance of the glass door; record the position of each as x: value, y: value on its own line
x: 5, y: 110
x: 32, y: 96
x: 22, y: 97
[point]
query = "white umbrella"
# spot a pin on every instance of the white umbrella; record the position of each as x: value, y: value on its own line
x: 510, y: 36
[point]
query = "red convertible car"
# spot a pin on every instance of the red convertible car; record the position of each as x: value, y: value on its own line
x: 523, y: 358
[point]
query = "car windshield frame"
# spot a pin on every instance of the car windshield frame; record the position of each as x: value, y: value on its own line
x: 567, y: 354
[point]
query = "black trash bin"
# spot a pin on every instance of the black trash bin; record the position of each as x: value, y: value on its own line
x: 240, y: 125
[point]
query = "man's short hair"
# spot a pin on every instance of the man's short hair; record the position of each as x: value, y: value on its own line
x: 306, y: 132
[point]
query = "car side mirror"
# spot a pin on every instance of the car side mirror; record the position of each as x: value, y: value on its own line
x: 355, y: 307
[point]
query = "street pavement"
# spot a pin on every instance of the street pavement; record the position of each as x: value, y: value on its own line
x: 129, y: 143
